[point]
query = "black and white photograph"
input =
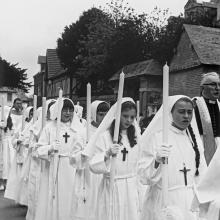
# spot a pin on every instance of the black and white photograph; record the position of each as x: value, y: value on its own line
x: 110, y: 110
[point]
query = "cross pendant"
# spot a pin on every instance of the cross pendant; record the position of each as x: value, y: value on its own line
x: 124, y: 152
x: 66, y: 136
x: 184, y: 170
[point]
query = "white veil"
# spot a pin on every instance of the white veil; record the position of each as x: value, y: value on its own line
x: 105, y: 125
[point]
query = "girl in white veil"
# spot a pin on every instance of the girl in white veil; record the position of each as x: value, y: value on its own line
x: 186, y: 152
x: 124, y: 203
x: 56, y: 201
x: 35, y: 166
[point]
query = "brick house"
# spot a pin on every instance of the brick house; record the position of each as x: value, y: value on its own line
x: 51, y: 77
x: 143, y: 82
x: 198, y: 52
x: 197, y: 6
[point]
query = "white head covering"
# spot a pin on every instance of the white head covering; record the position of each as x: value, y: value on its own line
x: 156, y: 124
x: 209, y: 78
x: 105, y: 125
x: 94, y: 107
x: 38, y: 124
x: 75, y: 124
x: 27, y: 112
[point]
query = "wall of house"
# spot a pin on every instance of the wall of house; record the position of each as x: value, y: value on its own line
x: 186, y: 82
x: 150, y: 94
x: 39, y: 85
x: 185, y: 55
x: 54, y: 85
x: 8, y: 98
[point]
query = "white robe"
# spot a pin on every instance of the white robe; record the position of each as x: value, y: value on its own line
x: 57, y: 201
x: 11, y: 191
x: 84, y: 199
x: 37, y: 171
x: 124, y: 203
x: 178, y: 194
x: 23, y: 178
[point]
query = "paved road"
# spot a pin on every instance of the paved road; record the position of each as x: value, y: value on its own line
x: 10, y: 211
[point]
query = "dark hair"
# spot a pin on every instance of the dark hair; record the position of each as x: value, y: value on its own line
x: 195, y: 148
x: 50, y: 104
x: 68, y: 104
x: 184, y: 99
x: 30, y: 112
x: 103, y: 107
x: 131, y: 130
x: 17, y: 99
x: 9, y: 124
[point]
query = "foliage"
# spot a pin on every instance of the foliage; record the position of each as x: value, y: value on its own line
x: 14, y: 76
x: 103, y: 40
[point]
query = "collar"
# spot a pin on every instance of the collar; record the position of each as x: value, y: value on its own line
x: 210, y: 101
x: 177, y: 130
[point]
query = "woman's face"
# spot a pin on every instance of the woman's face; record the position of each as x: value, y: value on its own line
x: 127, y: 118
x: 182, y: 114
x: 67, y: 114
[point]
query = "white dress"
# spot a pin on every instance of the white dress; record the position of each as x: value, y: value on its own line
x: 11, y: 191
x: 123, y: 204
x: 84, y: 200
x: 179, y: 194
x: 55, y: 203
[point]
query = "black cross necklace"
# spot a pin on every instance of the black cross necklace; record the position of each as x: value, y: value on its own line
x: 184, y: 170
x: 124, y: 152
x: 66, y: 136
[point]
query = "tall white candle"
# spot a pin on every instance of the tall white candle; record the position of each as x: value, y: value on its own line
x: 23, y: 122
x: 118, y: 110
x: 117, y: 124
x: 35, y: 109
x: 2, y: 109
x: 88, y: 101
x: 44, y: 113
x: 165, y: 102
x: 165, y: 133
x: 138, y: 112
x: 60, y: 100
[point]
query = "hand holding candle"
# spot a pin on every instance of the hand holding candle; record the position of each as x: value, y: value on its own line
x: 117, y: 124
x: 165, y: 132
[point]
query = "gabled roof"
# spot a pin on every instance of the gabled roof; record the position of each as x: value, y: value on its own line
x: 148, y: 67
x: 206, y: 42
x: 53, y: 63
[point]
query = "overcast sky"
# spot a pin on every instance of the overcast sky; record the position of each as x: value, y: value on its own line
x: 29, y: 27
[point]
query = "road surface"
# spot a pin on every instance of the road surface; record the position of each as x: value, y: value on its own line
x: 10, y: 211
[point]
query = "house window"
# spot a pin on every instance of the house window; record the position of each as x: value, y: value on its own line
x: 9, y: 97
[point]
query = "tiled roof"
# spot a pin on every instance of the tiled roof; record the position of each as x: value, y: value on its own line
x: 206, y: 42
x: 148, y: 67
x: 53, y: 63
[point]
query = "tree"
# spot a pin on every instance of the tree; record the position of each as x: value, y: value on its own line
x: 82, y: 48
x: 103, y: 40
x: 164, y: 47
x: 14, y: 76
